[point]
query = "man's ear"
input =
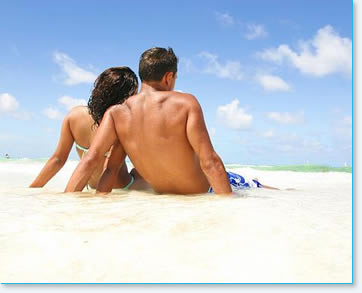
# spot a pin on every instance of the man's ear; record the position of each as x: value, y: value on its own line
x: 168, y: 78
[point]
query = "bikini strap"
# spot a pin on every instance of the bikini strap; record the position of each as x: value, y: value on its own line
x: 129, y: 183
x: 81, y: 148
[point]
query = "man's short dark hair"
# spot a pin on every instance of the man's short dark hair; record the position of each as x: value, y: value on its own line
x: 155, y: 62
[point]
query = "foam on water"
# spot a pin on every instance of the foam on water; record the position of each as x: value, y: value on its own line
x: 262, y: 236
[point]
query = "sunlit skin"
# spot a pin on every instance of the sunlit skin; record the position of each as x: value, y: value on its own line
x: 78, y: 126
x: 113, y: 86
x: 164, y: 134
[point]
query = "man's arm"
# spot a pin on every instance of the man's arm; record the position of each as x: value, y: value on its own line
x: 58, y: 159
x: 199, y: 139
x: 110, y: 173
x: 104, y: 139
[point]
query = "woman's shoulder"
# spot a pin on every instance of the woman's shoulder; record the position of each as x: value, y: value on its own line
x: 80, y: 123
x: 78, y: 111
x: 79, y: 114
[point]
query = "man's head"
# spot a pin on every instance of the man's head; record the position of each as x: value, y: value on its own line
x: 158, y: 65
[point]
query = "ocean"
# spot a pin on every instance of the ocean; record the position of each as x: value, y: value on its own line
x: 259, y: 236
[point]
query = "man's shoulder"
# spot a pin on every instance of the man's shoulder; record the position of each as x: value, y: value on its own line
x: 186, y: 99
x: 118, y: 111
x: 181, y: 95
x: 115, y: 109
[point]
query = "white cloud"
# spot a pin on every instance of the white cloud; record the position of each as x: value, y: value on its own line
x: 272, y: 82
x: 8, y: 103
x: 255, y: 31
x: 252, y: 31
x: 225, y: 19
x: 74, y: 74
x: 326, y: 53
x: 230, y: 70
x: 268, y: 134
x: 70, y: 102
x: 286, y: 117
x: 187, y: 64
x: 53, y: 113
x: 233, y: 116
x: 66, y: 101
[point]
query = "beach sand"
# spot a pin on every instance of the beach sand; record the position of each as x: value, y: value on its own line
x: 261, y: 236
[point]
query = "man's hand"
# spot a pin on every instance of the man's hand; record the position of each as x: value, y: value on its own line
x: 110, y: 173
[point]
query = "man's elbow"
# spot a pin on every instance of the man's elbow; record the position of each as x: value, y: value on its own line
x: 212, y: 163
x: 90, y: 161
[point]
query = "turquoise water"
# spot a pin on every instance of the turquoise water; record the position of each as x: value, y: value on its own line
x: 23, y: 160
x: 296, y: 168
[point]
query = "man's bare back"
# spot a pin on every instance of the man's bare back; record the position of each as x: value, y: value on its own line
x: 151, y: 127
x: 163, y: 132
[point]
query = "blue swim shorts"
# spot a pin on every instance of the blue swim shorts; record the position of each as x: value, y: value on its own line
x: 238, y: 182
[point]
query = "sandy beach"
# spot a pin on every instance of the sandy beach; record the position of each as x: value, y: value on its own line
x: 261, y: 236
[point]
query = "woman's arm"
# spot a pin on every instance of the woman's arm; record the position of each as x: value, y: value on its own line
x: 59, y: 157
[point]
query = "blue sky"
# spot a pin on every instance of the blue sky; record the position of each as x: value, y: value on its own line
x: 274, y: 77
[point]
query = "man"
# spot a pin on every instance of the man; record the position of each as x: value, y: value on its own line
x: 162, y: 131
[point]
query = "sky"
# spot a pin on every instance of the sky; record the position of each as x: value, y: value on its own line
x: 274, y: 78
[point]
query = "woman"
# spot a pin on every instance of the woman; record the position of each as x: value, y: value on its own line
x: 112, y: 87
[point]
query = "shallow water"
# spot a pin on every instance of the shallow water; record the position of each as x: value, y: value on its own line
x: 261, y: 236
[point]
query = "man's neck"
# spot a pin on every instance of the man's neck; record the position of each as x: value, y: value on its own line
x: 148, y: 86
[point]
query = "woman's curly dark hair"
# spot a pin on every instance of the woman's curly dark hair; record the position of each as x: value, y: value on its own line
x: 113, y: 86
